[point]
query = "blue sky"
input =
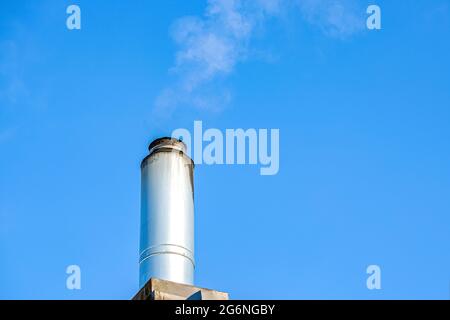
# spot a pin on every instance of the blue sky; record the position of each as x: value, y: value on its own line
x: 364, y: 119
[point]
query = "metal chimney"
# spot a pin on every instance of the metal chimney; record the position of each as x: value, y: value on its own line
x: 167, y: 213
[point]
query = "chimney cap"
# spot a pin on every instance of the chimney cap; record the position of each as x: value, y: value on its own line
x: 167, y: 142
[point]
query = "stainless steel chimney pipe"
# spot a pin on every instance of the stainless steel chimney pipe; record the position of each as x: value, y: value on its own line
x: 167, y: 213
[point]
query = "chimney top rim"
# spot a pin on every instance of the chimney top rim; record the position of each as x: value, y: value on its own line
x: 167, y: 142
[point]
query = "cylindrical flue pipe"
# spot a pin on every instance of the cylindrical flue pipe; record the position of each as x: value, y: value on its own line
x: 167, y: 213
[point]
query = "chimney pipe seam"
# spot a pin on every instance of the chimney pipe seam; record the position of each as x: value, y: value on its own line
x: 167, y: 249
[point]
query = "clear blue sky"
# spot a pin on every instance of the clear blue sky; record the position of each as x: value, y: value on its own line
x: 364, y: 119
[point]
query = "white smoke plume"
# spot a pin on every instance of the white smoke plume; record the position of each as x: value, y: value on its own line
x: 210, y: 47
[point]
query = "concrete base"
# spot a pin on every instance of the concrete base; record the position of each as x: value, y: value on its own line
x: 156, y: 289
